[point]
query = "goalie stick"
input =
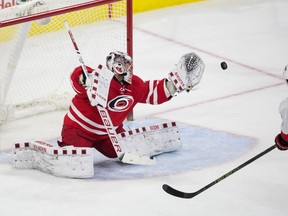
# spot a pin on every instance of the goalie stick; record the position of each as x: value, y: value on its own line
x: 170, y: 190
x: 122, y: 156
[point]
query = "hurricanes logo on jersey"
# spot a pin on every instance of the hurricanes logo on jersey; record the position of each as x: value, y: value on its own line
x: 121, y: 103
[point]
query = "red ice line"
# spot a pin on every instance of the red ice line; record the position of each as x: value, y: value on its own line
x: 219, y: 57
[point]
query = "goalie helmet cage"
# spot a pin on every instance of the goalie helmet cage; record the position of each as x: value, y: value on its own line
x: 37, y: 55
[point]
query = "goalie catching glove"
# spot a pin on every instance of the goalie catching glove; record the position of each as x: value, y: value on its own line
x: 187, y: 74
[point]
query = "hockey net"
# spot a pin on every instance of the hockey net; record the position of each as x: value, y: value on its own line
x: 37, y: 55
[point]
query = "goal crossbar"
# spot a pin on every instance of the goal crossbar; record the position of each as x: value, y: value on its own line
x: 36, y: 52
x: 54, y: 12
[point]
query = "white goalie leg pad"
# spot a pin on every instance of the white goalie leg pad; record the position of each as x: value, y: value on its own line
x: 151, y: 140
x: 70, y: 162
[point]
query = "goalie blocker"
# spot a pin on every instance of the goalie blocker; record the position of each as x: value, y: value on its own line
x: 75, y: 162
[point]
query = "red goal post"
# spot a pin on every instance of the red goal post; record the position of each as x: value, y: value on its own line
x: 37, y: 56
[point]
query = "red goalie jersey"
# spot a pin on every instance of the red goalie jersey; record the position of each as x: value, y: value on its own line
x: 118, y: 94
x: 122, y: 97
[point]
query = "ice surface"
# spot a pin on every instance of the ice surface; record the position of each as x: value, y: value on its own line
x: 230, y: 117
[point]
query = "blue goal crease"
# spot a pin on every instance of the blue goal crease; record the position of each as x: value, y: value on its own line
x: 201, y: 148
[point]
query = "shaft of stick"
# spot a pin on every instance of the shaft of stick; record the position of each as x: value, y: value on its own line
x: 111, y: 131
x: 84, y: 68
x: 181, y: 194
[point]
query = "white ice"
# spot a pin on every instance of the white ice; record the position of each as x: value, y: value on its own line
x: 251, y: 36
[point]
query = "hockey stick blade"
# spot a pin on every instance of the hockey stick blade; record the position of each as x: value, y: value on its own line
x: 168, y: 189
x: 138, y: 160
x: 181, y: 194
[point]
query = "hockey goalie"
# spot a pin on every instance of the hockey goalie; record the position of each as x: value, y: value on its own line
x: 104, y: 98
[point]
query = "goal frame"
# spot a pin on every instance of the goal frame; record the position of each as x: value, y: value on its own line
x: 78, y: 7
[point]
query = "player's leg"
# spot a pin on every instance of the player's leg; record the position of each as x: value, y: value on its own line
x: 74, y: 137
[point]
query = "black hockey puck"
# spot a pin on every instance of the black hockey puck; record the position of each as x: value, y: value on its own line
x: 224, y: 65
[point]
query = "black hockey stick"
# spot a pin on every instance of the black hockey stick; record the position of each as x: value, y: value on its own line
x: 181, y: 194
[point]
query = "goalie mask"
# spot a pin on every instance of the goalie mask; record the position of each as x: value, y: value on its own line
x: 120, y: 63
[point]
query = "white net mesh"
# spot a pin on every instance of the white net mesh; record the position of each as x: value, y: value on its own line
x: 34, y: 72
